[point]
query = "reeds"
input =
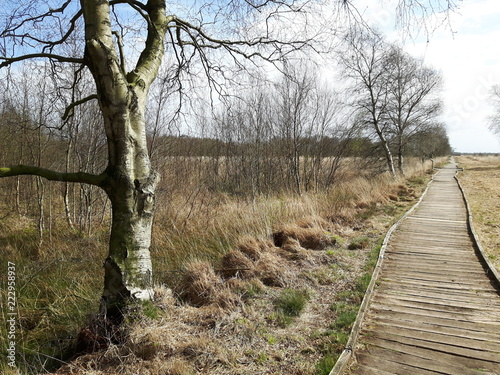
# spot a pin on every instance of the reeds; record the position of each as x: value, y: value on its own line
x: 218, y: 252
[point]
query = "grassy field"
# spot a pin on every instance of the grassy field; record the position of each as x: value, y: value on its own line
x: 481, y: 182
x: 265, y: 285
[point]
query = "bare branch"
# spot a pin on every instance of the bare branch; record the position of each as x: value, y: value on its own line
x: 51, y: 175
x: 69, y: 108
x: 119, y: 41
x: 10, y: 60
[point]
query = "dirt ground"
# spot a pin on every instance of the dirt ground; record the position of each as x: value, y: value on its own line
x: 481, y: 182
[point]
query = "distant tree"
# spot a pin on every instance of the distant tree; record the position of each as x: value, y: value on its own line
x: 430, y: 142
x: 363, y: 58
x: 413, y: 101
x: 495, y: 118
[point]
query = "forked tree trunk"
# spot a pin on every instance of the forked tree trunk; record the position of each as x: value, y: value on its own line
x: 129, y: 181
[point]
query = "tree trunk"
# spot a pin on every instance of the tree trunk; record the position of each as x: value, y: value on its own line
x: 389, y: 159
x: 401, y: 159
x: 130, y: 182
x: 387, y: 151
x: 130, y: 186
x: 128, y: 269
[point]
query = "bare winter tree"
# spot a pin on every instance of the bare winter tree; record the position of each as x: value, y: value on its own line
x: 413, y: 102
x: 495, y: 118
x: 363, y: 60
x: 429, y: 142
x: 37, y: 30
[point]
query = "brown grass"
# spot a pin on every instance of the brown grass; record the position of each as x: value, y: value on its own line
x: 253, y: 247
x: 201, y: 286
x: 217, y: 254
x: 309, y: 238
x: 480, y: 180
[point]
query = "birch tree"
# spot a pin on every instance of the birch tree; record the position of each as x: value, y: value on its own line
x: 494, y: 120
x: 413, y: 102
x: 363, y: 60
x: 38, y: 30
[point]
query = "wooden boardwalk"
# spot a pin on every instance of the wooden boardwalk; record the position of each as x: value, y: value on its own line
x: 433, y: 309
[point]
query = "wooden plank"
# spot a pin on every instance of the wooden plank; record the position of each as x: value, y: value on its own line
x: 441, y: 301
x: 488, y: 295
x: 451, y: 353
x: 428, y: 357
x: 455, y: 312
x: 485, y: 346
x: 434, y: 312
x: 454, y: 279
x: 433, y: 252
x: 484, y: 286
x: 429, y: 270
x: 419, y: 359
x: 456, y: 223
x: 435, y: 326
x: 394, y: 364
x: 463, y: 296
x: 423, y: 318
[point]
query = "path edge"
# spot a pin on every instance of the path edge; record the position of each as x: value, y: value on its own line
x: 346, y: 354
x: 490, y: 268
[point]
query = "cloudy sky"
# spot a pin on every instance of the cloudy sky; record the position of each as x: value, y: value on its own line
x: 466, y: 51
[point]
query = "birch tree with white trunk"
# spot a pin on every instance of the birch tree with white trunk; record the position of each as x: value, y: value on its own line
x: 38, y: 30
x: 363, y: 61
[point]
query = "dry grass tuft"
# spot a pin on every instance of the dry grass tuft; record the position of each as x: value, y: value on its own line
x: 201, y: 286
x: 236, y: 264
x: 292, y: 245
x: 271, y: 270
x: 174, y: 366
x: 314, y: 238
x: 253, y: 247
x: 393, y: 197
x: 313, y: 221
x: 163, y: 297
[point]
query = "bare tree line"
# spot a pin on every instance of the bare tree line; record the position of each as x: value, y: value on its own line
x: 287, y: 134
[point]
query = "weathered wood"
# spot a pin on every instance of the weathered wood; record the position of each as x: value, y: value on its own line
x: 435, y: 307
x: 441, y: 328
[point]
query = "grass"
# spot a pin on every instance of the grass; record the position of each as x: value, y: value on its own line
x: 290, y: 304
x: 480, y: 182
x: 59, y: 282
x: 345, y: 308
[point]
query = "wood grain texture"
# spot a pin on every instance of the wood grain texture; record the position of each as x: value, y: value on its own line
x: 434, y: 309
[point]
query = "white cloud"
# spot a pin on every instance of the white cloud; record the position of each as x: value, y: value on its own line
x: 470, y: 63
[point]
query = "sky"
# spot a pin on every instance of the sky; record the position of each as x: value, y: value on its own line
x: 466, y: 51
